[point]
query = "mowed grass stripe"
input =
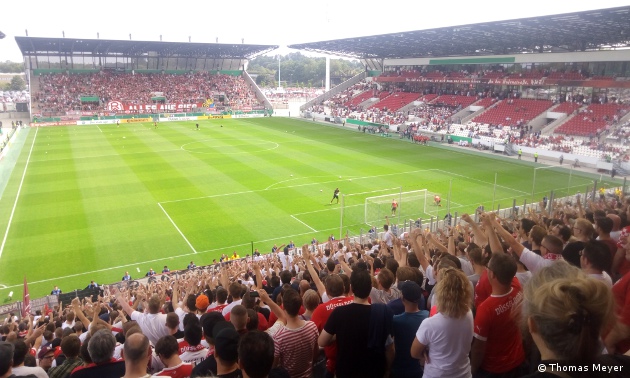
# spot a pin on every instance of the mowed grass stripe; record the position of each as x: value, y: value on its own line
x: 227, y: 190
x: 44, y: 240
x: 123, y: 217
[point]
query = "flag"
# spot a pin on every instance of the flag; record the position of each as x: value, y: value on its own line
x: 26, y: 301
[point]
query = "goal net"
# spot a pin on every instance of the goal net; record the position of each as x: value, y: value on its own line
x: 368, y: 209
x: 411, y: 205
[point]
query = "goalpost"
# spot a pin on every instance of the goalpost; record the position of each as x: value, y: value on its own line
x: 359, y: 210
x: 411, y: 205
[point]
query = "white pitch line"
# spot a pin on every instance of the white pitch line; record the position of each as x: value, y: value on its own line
x: 481, y: 181
x: 162, y: 259
x: 99, y: 128
x: 177, y: 228
x: 17, y: 196
x: 295, y: 186
x: 314, y: 230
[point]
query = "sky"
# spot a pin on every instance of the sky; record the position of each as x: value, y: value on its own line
x: 272, y: 22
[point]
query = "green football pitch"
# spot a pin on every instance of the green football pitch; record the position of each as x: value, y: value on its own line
x: 91, y: 202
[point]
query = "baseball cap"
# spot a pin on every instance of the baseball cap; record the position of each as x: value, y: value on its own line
x: 44, y: 351
x: 6, y: 356
x: 411, y: 291
x: 202, y: 302
x: 226, y: 344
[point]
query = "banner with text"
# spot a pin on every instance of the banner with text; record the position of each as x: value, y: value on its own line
x: 98, y: 122
x: 175, y: 119
x: 136, y: 120
x: 218, y: 116
x: 121, y: 107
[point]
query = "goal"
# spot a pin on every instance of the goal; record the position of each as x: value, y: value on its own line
x: 361, y: 211
x: 411, y: 205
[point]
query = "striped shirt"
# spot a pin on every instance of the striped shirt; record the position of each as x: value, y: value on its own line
x: 295, y: 349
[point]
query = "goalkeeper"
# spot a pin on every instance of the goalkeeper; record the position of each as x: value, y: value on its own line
x: 335, y: 195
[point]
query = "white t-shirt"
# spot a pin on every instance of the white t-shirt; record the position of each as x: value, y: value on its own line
x: 152, y: 325
x: 227, y: 309
x: 466, y: 266
x: 65, y: 325
x: 523, y: 277
x: 26, y: 370
x: 534, y: 262
x: 388, y: 239
x: 194, y: 357
x: 604, y: 277
x: 430, y: 276
x: 448, y: 341
x: 286, y: 261
x: 181, y: 314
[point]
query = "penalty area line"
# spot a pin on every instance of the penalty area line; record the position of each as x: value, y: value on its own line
x: 177, y: 228
x: 311, y: 228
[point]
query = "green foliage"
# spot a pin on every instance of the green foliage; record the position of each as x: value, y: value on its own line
x: 11, y: 67
x: 296, y: 68
x: 17, y: 84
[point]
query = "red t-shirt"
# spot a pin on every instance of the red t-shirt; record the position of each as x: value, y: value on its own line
x: 185, y: 347
x: 218, y: 309
x: 320, y: 316
x: 484, y: 289
x: 621, y: 293
x: 496, y: 324
x: 183, y: 370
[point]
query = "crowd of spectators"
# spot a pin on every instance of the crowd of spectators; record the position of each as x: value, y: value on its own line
x: 62, y: 92
x: 498, y: 297
x: 291, y: 93
x: 12, y: 97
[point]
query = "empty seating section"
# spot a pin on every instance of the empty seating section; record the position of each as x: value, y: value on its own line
x: 434, y: 75
x: 591, y: 120
x: 493, y: 75
x: 526, y: 75
x: 566, y: 107
x: 513, y: 112
x: 454, y: 101
x: 428, y: 97
x: 485, y: 102
x: 356, y: 100
x: 396, y: 101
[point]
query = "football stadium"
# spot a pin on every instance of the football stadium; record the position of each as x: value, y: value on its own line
x: 164, y: 163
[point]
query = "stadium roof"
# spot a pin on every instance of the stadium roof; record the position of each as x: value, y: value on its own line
x: 579, y: 31
x: 33, y: 46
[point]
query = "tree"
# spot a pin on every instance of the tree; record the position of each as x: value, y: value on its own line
x: 11, y: 67
x: 17, y: 84
x: 297, y: 68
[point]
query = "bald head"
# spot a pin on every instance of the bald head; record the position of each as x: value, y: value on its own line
x: 136, y: 349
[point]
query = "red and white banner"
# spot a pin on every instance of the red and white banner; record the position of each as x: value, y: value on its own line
x: 120, y: 107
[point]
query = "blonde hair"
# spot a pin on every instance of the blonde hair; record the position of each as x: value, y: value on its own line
x: 585, y: 226
x: 310, y: 299
x: 453, y: 293
x: 569, y: 310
